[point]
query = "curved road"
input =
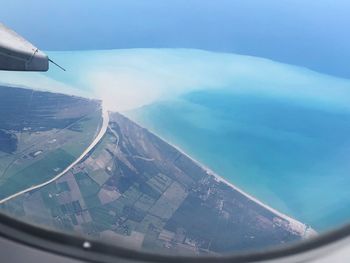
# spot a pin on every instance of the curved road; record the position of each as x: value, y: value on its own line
x: 105, y: 121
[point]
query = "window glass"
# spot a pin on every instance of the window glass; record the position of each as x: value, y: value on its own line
x: 189, y: 127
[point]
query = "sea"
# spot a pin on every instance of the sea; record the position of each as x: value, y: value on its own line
x: 292, y: 157
x: 277, y: 131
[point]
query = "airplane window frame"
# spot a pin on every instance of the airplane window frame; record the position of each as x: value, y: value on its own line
x: 89, y: 250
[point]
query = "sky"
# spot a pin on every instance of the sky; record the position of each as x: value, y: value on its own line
x: 308, y: 33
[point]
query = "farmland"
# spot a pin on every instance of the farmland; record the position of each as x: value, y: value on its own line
x: 41, y: 133
x: 136, y: 190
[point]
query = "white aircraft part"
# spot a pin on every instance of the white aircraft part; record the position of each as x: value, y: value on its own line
x: 18, y: 54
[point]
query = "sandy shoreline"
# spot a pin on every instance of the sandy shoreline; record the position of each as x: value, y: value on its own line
x: 304, y: 230
x: 99, y: 136
x: 295, y: 225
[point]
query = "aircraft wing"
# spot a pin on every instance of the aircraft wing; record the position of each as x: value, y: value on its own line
x: 17, y: 54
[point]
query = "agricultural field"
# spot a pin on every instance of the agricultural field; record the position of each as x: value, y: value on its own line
x: 135, y: 190
x: 41, y: 133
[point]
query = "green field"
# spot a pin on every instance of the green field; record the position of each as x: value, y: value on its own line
x: 49, y: 136
x: 36, y: 173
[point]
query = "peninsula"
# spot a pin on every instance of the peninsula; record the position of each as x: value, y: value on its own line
x: 134, y: 189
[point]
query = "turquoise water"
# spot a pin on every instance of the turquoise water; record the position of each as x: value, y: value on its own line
x: 306, y: 33
x: 291, y: 156
x: 277, y: 131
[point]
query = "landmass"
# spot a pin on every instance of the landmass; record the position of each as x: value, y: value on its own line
x: 41, y: 133
x: 136, y: 190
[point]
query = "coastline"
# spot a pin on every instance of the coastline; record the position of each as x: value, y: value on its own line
x: 98, y: 137
x: 304, y: 230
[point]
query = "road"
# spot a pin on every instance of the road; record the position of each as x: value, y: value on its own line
x: 144, y: 158
x: 105, y: 121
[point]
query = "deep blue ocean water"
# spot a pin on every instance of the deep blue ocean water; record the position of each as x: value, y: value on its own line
x: 312, y: 34
x: 293, y: 157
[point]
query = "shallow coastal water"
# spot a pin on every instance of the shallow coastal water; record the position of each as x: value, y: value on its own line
x: 277, y: 131
x: 293, y: 157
